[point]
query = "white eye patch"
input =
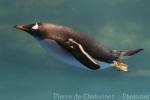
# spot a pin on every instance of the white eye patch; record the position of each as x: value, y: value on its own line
x: 35, y: 27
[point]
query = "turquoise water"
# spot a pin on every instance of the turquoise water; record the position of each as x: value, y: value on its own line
x: 28, y: 72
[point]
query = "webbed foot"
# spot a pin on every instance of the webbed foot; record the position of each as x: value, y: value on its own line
x: 120, y: 66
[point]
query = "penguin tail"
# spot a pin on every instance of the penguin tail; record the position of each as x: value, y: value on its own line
x: 118, y: 64
x: 122, y: 54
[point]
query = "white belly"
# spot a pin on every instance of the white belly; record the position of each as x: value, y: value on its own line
x: 57, y: 51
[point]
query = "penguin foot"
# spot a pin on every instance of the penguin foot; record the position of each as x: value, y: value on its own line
x: 120, y: 66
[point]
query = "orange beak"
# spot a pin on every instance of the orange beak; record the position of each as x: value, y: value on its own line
x: 22, y: 27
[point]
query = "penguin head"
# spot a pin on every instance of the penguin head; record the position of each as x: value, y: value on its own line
x: 36, y: 30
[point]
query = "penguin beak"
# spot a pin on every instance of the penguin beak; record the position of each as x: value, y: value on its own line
x: 22, y: 27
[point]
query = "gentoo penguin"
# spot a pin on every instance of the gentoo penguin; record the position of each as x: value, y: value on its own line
x: 76, y: 47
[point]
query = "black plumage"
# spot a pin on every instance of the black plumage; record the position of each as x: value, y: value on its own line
x: 81, y: 46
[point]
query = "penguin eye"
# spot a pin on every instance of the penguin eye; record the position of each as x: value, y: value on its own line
x: 35, y: 27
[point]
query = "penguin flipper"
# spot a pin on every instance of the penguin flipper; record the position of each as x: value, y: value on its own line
x: 81, y: 55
